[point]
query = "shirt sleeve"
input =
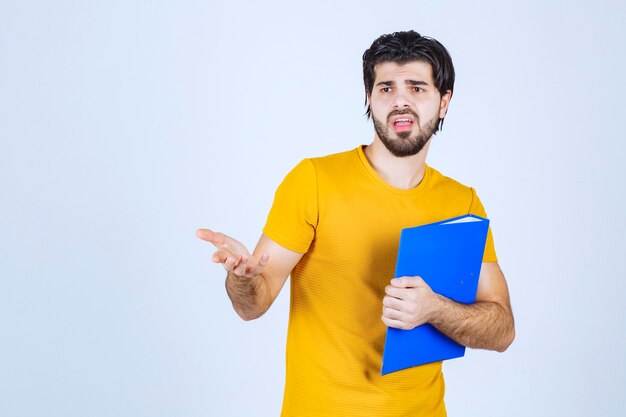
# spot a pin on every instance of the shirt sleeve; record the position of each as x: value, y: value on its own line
x: 293, y: 217
x: 476, y: 207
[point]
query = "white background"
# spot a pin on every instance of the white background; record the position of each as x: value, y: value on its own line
x: 124, y: 126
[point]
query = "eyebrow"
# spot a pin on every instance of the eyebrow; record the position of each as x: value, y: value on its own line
x: 414, y: 82
x: 409, y: 82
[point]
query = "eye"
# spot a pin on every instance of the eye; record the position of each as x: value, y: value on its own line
x: 418, y: 89
x: 386, y: 89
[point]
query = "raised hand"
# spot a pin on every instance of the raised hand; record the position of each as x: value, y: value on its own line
x: 233, y: 255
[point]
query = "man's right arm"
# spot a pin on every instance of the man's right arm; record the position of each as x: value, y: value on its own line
x: 253, y: 281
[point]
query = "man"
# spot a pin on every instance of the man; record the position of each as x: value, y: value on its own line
x: 335, y: 226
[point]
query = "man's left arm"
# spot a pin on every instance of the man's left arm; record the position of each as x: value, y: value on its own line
x: 487, y: 324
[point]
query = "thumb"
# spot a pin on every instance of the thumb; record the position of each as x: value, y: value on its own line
x: 210, y: 236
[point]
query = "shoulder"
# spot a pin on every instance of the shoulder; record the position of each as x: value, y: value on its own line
x: 453, y: 191
x: 308, y: 171
x: 444, y: 183
x: 336, y: 160
x: 330, y: 166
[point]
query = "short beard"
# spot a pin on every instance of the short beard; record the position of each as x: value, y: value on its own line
x: 404, y: 144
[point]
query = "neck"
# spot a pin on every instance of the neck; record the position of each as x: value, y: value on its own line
x: 404, y: 173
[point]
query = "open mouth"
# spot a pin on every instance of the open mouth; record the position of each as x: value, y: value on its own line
x: 402, y: 124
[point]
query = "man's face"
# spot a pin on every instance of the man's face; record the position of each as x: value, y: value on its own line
x: 406, y: 106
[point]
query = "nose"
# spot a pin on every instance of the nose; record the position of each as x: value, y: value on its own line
x: 400, y: 100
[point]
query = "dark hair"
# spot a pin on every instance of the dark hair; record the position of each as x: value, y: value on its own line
x: 404, y: 47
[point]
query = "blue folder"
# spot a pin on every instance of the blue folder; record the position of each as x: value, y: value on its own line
x: 448, y: 256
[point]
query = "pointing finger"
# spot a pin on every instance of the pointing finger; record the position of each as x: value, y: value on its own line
x: 228, y: 260
x: 221, y: 256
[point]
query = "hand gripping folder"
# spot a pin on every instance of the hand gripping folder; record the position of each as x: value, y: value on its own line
x: 448, y: 256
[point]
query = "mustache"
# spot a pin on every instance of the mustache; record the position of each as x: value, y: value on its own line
x: 401, y: 112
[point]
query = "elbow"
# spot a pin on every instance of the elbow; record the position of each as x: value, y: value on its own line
x: 509, y: 332
x: 249, y: 314
x: 508, y: 340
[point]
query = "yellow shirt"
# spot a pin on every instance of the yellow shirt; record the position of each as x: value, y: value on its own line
x: 347, y: 222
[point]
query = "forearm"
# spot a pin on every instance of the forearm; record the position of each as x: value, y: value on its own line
x: 482, y: 325
x: 250, y: 296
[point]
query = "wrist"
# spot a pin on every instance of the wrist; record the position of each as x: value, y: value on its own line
x: 230, y: 275
x: 437, y: 304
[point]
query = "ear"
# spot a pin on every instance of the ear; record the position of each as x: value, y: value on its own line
x: 443, y: 104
